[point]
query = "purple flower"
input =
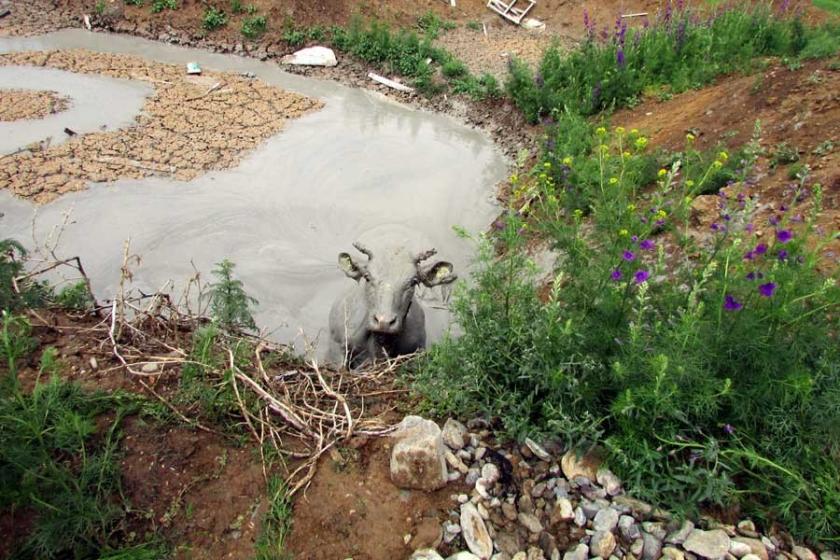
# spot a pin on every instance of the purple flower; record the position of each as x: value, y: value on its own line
x: 647, y: 245
x: 784, y: 235
x: 641, y: 276
x: 714, y: 226
x: 782, y: 255
x: 760, y: 249
x: 628, y: 256
x: 616, y: 275
x: 750, y: 255
x: 751, y: 276
x: 749, y: 228
x: 634, y: 238
x: 729, y: 429
x: 773, y: 220
x: 619, y: 57
x: 731, y: 304
x: 766, y: 290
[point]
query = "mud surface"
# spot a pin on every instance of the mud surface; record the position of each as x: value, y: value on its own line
x: 283, y: 214
x: 189, y: 125
x: 17, y: 104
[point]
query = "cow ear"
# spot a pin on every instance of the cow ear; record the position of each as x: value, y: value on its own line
x: 439, y: 273
x: 351, y: 269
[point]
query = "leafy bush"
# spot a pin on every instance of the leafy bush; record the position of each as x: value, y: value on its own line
x: 254, y: 26
x: 709, y: 380
x: 276, y: 523
x: 681, y: 49
x: 213, y: 19
x: 431, y: 24
x: 75, y: 297
x: 230, y: 306
x: 27, y: 293
x: 161, y: 5
x: 236, y: 6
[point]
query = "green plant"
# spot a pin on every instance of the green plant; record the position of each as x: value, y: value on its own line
x: 431, y: 24
x: 276, y: 523
x: 824, y: 148
x: 213, y: 19
x: 236, y: 6
x: 76, y: 297
x: 100, y: 7
x: 784, y: 154
x: 15, y: 343
x: 230, y: 306
x: 254, y: 26
x: 161, y: 5
x: 134, y: 2
x: 473, y: 25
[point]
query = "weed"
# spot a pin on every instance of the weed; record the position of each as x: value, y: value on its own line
x: 236, y: 6
x: 824, y: 148
x: 134, y: 2
x: 99, y: 9
x: 75, y: 297
x: 454, y: 69
x: 230, y: 306
x: 784, y: 154
x: 758, y: 84
x: 213, y: 19
x: 161, y: 5
x: 474, y: 25
x: 431, y: 24
x: 15, y: 343
x: 254, y: 26
x: 276, y: 524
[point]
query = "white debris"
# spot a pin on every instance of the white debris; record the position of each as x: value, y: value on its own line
x: 312, y: 56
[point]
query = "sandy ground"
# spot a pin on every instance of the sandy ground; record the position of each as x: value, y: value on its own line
x: 18, y: 105
x: 191, y: 124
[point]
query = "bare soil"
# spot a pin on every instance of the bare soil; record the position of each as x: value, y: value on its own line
x: 191, y: 124
x: 18, y: 104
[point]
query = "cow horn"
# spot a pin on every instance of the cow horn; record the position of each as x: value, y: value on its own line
x: 362, y: 249
x: 424, y: 255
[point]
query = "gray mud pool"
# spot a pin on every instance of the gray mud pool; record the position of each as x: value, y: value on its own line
x: 362, y: 167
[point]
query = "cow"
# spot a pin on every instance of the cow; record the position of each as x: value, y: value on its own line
x: 380, y: 315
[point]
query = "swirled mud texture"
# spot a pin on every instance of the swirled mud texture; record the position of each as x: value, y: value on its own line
x: 21, y: 104
x: 191, y: 124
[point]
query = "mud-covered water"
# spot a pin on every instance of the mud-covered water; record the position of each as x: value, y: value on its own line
x: 361, y: 165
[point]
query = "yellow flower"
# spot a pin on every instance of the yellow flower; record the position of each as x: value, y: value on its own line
x: 689, y: 183
x: 613, y: 180
x: 567, y: 161
x: 626, y: 154
x: 514, y: 178
x: 578, y: 213
x: 604, y: 148
x: 631, y: 207
x: 662, y: 172
x: 688, y: 200
x: 624, y: 233
x: 547, y: 165
x: 543, y: 176
x: 600, y: 131
x: 661, y: 215
x: 641, y: 142
x: 690, y: 137
x: 723, y: 156
x: 717, y: 164
x: 634, y: 131
x: 619, y: 130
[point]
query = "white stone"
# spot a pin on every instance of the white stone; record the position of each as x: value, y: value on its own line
x: 530, y: 522
x: 585, y: 466
x: 611, y: 483
x: 739, y: 549
x: 417, y: 458
x: 312, y: 56
x: 463, y: 556
x: 490, y: 473
x: 475, y: 532
x: 425, y: 554
x: 453, y: 434
x: 605, y: 520
x: 580, y: 552
x: 602, y: 544
x: 455, y: 462
x: 708, y: 544
x: 537, y: 450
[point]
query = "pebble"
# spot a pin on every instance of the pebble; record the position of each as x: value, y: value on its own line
x: 490, y: 473
x: 679, y: 536
x: 708, y: 544
x: 475, y: 532
x: 628, y: 528
x: 425, y: 554
x: 463, y: 555
x: 482, y: 486
x: 455, y: 462
x: 652, y: 547
x: 803, y: 553
x: 580, y: 517
x: 472, y: 477
x: 757, y: 548
x: 739, y: 549
x: 538, y: 450
x: 150, y: 367
x: 747, y: 528
x: 673, y: 553
x: 602, y: 544
x: 611, y: 483
x: 563, y: 511
x: 462, y: 498
x: 526, y: 504
x: 530, y: 522
x: 605, y: 520
x: 580, y: 552
x: 509, y: 511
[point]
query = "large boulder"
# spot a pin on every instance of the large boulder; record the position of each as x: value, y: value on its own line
x: 418, y: 460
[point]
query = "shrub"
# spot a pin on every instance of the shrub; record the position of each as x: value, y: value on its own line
x: 75, y: 297
x: 213, y: 19
x: 681, y: 49
x: 161, y: 5
x: 254, y: 26
x: 18, y: 295
x: 710, y: 380
x: 236, y: 6
x: 230, y: 306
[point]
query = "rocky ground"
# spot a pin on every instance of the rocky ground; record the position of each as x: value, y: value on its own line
x: 541, y: 502
x: 18, y: 104
x: 191, y: 124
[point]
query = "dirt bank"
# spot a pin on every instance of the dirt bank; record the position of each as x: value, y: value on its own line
x: 190, y: 125
x: 24, y: 104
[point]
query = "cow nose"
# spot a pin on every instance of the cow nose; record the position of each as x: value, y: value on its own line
x: 383, y: 321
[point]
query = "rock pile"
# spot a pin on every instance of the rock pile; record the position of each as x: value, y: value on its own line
x: 536, y: 502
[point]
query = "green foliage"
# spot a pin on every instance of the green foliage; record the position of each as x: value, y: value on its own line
x: 213, y: 19
x: 56, y: 462
x: 432, y: 24
x: 230, y: 306
x: 709, y: 380
x: 828, y: 5
x: 236, y: 6
x: 254, y: 26
x: 680, y: 50
x: 75, y: 297
x: 454, y: 69
x: 15, y: 343
x: 474, y: 25
x: 100, y: 7
x: 276, y: 524
x: 784, y: 154
x: 161, y: 5
x: 28, y: 293
x: 134, y: 2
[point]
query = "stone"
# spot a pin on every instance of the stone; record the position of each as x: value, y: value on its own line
x: 548, y: 544
x: 828, y: 555
x: 417, y: 458
x: 605, y: 520
x: 580, y: 517
x: 150, y: 367
x: 464, y: 556
x: 526, y: 504
x: 628, y: 528
x: 751, y: 557
x: 637, y: 547
x: 739, y: 549
x: 656, y: 529
x: 602, y: 544
x: 427, y: 534
x: 490, y: 473
x: 539, y: 490
x: 586, y: 465
x: 520, y: 556
x: 508, y: 542
x: 640, y: 507
x: 708, y: 544
x: 472, y: 477
x: 747, y: 528
x: 673, y: 553
x: 580, y: 552
x: 500, y: 556
x: 680, y: 535
x: 652, y: 547
x: 455, y: 462
x: 534, y: 553
x: 425, y: 554
x: 94, y: 365
x: 509, y: 511
x: 538, y: 450
x: 312, y: 56
x: 562, y: 511
x: 803, y: 553
x: 475, y: 532
x: 483, y: 488
x: 453, y: 434
x: 611, y: 483
x: 757, y: 548
x: 530, y: 522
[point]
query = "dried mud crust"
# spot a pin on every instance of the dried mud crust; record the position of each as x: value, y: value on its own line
x: 191, y: 124
x: 21, y: 104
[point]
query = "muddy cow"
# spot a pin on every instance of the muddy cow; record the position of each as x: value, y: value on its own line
x: 380, y: 316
